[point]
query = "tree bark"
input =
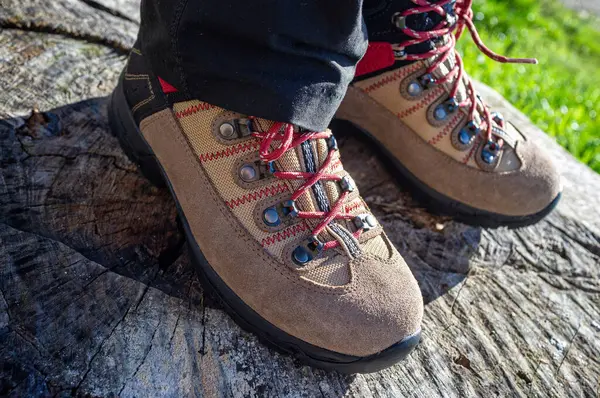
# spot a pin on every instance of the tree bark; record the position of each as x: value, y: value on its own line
x: 97, y: 296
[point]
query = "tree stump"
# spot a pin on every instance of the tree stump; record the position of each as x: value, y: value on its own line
x: 97, y: 296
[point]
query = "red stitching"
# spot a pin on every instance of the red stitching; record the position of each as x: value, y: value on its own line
x: 445, y: 131
x: 285, y: 234
x: 203, y: 106
x: 268, y: 191
x: 230, y: 151
x: 353, y: 206
x: 399, y: 74
x: 420, y: 105
x: 335, y: 164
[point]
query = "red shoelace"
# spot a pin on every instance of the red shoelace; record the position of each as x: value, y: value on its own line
x: 464, y: 18
x: 288, y: 139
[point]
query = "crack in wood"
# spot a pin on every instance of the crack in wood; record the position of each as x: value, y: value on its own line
x: 567, y: 349
x: 89, y: 367
x: 137, y: 369
x: 111, y: 11
x: 32, y: 26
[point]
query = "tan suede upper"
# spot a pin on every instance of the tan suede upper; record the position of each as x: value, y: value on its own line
x: 356, y: 305
x: 522, y: 182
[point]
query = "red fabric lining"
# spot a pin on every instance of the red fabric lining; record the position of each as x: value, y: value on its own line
x: 166, y: 87
x: 398, y: 74
x: 379, y: 55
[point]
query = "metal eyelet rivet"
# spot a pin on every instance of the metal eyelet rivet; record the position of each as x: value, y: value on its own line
x: 271, y: 167
x: 308, y: 250
x: 487, y: 157
x: 440, y: 112
x: 300, y: 255
x: 489, y: 152
x: 399, y: 21
x: 227, y: 131
x: 401, y: 53
x: 467, y: 134
x: 427, y: 80
x: 289, y: 208
x: 248, y: 173
x: 347, y: 184
x: 451, y: 19
x: 271, y: 217
x: 365, y: 221
x: 414, y: 89
x: 451, y: 105
x: 332, y: 143
x: 465, y: 137
x: 498, y: 118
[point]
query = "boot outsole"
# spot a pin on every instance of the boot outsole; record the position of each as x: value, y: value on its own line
x: 437, y: 202
x: 139, y: 151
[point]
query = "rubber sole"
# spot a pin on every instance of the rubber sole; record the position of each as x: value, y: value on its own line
x: 437, y: 202
x: 138, y: 150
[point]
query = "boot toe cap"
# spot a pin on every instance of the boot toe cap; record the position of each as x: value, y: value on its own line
x: 532, y: 188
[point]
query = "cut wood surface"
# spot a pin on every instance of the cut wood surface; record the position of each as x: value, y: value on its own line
x: 98, y: 298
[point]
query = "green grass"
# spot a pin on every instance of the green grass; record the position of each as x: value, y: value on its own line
x: 561, y: 94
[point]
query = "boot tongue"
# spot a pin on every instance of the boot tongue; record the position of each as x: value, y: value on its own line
x: 308, y: 157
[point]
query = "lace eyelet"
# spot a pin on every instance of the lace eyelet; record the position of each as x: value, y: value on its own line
x: 248, y: 173
x: 414, y: 89
x: 399, y: 21
x: 400, y: 53
x: 498, y: 118
x: 254, y: 171
x: 488, y: 155
x: 227, y: 131
x: 490, y: 152
x: 271, y: 217
x: 451, y: 105
x: 288, y: 208
x: 365, y: 222
x: 307, y: 251
x: 427, y: 80
x: 274, y: 215
x: 463, y: 138
x: 347, y: 184
x: 332, y: 143
x: 234, y: 129
x: 441, y: 111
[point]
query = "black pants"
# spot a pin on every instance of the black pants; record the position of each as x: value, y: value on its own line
x: 285, y: 60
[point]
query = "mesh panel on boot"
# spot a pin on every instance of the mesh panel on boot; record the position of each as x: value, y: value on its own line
x: 378, y: 247
x: 332, y: 271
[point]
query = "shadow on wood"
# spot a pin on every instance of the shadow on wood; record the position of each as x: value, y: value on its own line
x: 86, y: 238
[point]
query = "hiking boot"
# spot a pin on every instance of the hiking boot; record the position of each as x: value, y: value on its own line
x: 276, y: 226
x: 412, y: 96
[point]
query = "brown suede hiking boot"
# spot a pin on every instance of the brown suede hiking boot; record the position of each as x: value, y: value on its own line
x: 276, y: 226
x: 413, y: 98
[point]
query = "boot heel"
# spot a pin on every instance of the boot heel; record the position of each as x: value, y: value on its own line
x: 134, y: 145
